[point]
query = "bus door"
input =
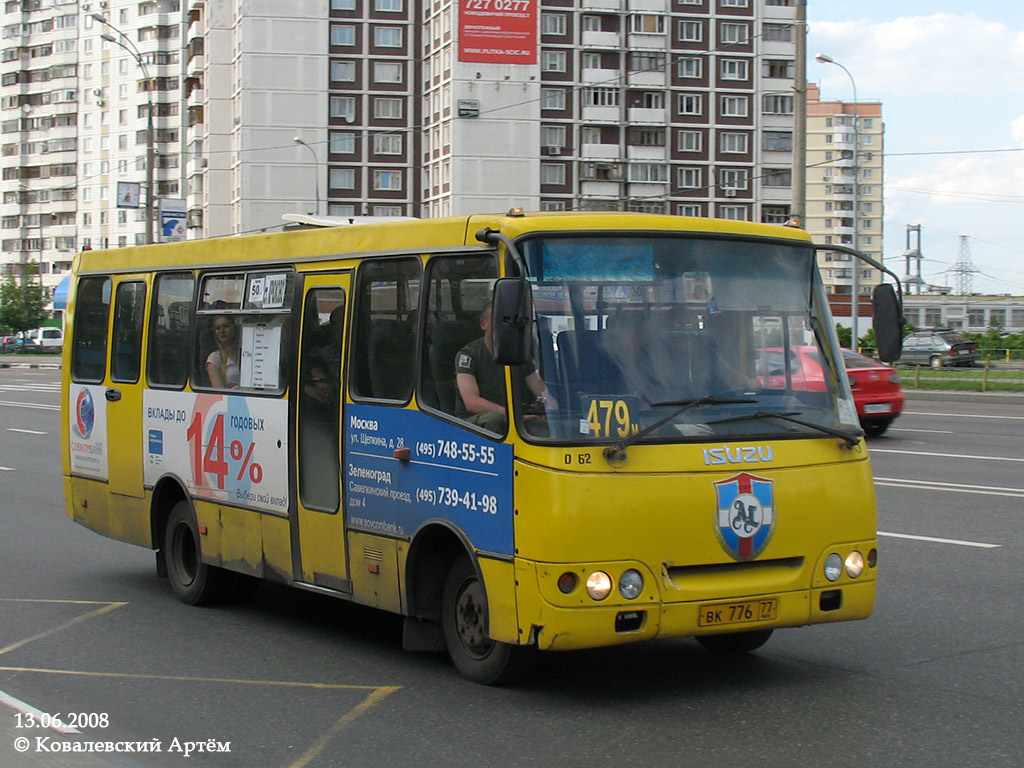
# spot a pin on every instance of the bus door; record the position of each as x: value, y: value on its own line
x: 318, y: 526
x: 123, y: 393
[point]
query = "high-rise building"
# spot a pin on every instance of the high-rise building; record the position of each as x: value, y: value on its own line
x: 384, y: 108
x: 844, y: 193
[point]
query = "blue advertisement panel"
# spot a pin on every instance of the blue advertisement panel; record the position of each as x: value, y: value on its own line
x: 446, y: 473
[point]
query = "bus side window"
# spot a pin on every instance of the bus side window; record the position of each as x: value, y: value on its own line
x: 92, y: 311
x: 170, y: 329
x: 384, y: 352
x: 129, y: 311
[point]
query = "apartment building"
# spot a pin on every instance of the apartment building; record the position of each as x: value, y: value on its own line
x: 844, y: 192
x: 384, y: 108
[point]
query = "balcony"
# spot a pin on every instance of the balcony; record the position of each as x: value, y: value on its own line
x: 647, y: 115
x: 599, y: 114
x: 640, y: 152
x: 603, y: 5
x: 600, y: 39
x: 610, y: 76
x: 599, y: 151
x: 655, y: 77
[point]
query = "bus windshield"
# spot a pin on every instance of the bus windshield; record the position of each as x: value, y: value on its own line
x: 715, y: 338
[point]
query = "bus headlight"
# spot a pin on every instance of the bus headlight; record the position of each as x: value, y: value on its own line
x: 854, y: 564
x: 599, y: 585
x: 833, y: 567
x: 631, y: 584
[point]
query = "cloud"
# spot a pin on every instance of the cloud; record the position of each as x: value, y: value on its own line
x: 921, y: 56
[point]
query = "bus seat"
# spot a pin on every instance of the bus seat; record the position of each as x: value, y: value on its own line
x: 448, y: 338
x: 391, y: 359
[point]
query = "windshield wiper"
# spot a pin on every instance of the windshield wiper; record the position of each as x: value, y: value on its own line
x: 850, y: 438
x: 615, y: 454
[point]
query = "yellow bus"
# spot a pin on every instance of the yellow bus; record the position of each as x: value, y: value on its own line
x: 520, y: 432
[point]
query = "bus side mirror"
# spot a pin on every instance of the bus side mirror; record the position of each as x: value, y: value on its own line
x: 512, y: 321
x: 888, y: 322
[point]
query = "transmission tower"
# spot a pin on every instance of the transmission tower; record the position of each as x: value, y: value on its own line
x: 913, y: 280
x: 964, y: 269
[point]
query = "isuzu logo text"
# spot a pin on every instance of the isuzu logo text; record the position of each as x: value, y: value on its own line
x: 753, y: 454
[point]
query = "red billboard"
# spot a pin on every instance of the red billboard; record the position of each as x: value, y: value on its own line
x: 498, y: 31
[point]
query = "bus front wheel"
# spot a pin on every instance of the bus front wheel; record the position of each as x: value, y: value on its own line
x: 193, y: 581
x: 464, y: 621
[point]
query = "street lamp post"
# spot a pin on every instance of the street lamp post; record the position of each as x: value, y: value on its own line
x: 126, y: 43
x: 855, y: 302
x: 316, y: 170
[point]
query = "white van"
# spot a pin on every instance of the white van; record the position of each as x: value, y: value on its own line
x: 43, y: 340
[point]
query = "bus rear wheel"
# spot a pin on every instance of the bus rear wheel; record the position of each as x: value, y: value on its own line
x: 192, y: 581
x: 464, y: 622
x: 735, y: 642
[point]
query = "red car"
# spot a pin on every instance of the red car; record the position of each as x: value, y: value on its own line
x: 876, y: 387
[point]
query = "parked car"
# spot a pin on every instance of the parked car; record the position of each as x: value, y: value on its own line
x: 47, y: 339
x: 876, y: 387
x: 938, y: 348
x: 10, y: 343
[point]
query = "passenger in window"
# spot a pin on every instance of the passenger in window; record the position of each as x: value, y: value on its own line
x: 480, y: 382
x: 222, y: 365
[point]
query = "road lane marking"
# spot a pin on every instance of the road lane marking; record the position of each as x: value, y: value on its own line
x: 41, y: 406
x: 26, y: 431
x: 936, y: 540
x: 931, y: 485
x: 963, y: 415
x: 929, y: 431
x: 948, y: 455
x: 40, y: 717
x: 320, y: 744
x: 107, y: 607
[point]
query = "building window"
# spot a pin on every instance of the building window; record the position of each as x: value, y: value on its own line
x: 734, y: 34
x: 590, y: 134
x: 552, y: 136
x: 387, y: 72
x: 735, y: 69
x: 733, y: 178
x: 552, y: 98
x: 688, y: 178
x: 388, y: 6
x: 590, y: 60
x: 648, y: 172
x: 777, y: 177
x: 343, y: 34
x: 343, y: 5
x: 387, y: 37
x: 552, y: 173
x: 734, y: 106
x: 647, y: 24
x: 777, y: 33
x: 343, y: 107
x: 690, y: 31
x: 342, y: 143
x: 688, y: 210
x: 552, y: 24
x: 690, y: 104
x: 690, y: 67
x: 777, y: 141
x: 552, y: 61
x: 777, y: 68
x: 343, y: 71
x: 734, y: 212
x: 387, y: 181
x: 387, y: 109
x: 387, y: 143
x: 600, y: 97
x: 343, y: 178
x: 778, y: 104
x: 734, y: 142
x: 688, y: 141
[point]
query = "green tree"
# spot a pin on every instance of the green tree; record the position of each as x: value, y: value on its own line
x: 21, y: 306
x: 845, y: 336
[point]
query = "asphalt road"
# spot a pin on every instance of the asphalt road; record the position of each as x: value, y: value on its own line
x: 290, y: 679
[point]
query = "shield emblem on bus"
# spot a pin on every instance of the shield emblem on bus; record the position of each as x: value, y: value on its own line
x: 745, y: 518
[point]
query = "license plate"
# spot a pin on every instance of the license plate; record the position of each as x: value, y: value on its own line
x: 743, y: 612
x: 878, y: 408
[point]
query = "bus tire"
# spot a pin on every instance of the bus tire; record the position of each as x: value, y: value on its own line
x: 192, y: 581
x: 734, y: 643
x: 464, y: 622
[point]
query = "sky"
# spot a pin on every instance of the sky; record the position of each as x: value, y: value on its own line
x: 950, y: 76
